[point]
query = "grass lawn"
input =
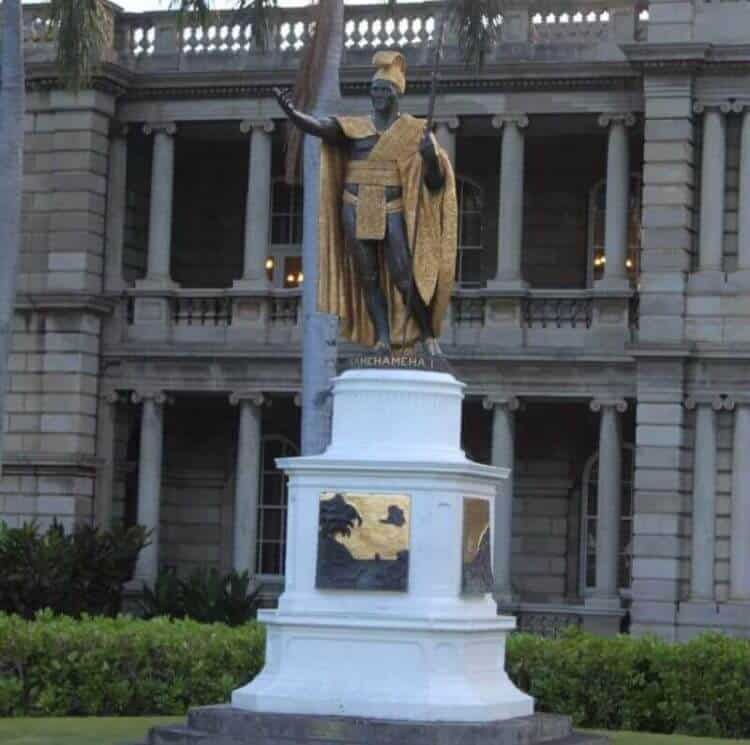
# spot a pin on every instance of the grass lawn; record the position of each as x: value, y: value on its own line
x: 128, y: 730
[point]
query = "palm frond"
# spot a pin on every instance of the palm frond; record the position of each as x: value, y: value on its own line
x: 83, y: 31
x: 260, y: 15
x: 477, y: 27
x: 191, y: 12
x: 307, y: 84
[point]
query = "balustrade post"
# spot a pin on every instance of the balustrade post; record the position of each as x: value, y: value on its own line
x: 247, y: 482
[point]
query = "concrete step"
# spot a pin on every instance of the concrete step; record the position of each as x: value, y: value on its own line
x: 252, y: 728
x: 184, y: 735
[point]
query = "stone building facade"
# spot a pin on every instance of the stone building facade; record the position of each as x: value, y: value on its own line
x: 601, y: 319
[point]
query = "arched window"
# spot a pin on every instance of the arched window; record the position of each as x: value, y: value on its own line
x: 589, y: 519
x: 469, y: 256
x: 597, y: 217
x: 272, y: 504
x: 284, y: 265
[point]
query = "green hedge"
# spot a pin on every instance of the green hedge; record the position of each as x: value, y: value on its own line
x: 55, y: 666
x: 643, y: 684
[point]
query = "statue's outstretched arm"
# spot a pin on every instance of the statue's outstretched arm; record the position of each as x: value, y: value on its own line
x: 327, y: 129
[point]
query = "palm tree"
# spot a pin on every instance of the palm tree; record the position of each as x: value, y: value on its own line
x: 318, y: 91
x: 12, y: 99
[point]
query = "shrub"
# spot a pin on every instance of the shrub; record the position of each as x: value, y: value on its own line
x: 56, y: 665
x: 204, y: 596
x: 701, y: 687
x: 74, y: 573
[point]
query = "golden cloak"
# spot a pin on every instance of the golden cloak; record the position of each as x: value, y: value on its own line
x: 434, y: 256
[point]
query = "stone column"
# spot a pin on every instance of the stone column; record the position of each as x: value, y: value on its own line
x: 609, y: 489
x: 713, y: 170
x: 510, y: 221
x: 503, y: 455
x: 617, y: 201
x: 247, y: 482
x: 445, y: 133
x: 743, y: 217
x: 106, y: 419
x: 739, y: 556
x: 149, y: 481
x: 258, y: 207
x: 160, y: 214
x: 704, y: 498
x: 116, y: 207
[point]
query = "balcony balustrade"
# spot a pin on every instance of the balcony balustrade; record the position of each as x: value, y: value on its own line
x: 542, y: 319
x: 484, y: 319
x: 213, y: 317
x: 139, y: 40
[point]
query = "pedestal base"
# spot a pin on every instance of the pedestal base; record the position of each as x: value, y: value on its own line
x: 224, y: 725
x: 416, y: 669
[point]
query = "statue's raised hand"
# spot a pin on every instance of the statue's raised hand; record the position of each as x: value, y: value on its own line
x: 285, y: 100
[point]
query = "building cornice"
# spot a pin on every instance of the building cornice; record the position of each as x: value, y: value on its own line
x: 65, y: 301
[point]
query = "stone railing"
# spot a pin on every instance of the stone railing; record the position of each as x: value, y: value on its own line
x: 557, y: 310
x: 573, y: 319
x: 218, y: 316
x: 481, y: 318
x: 407, y: 26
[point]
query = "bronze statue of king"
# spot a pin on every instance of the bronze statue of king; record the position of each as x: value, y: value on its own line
x: 388, y: 283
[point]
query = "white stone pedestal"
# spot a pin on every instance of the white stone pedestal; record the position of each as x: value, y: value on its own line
x: 429, y: 654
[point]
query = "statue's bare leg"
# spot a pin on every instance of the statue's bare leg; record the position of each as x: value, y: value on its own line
x: 398, y: 257
x: 365, y: 255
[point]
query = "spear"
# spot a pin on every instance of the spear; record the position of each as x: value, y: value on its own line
x: 440, y: 32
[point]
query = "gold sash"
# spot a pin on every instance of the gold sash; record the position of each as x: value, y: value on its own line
x: 372, y: 177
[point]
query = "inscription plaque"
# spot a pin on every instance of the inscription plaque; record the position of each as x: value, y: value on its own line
x: 477, y: 547
x: 363, y: 541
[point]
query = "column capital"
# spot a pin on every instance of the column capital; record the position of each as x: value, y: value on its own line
x: 508, y: 401
x: 158, y: 397
x: 626, y: 118
x: 721, y: 107
x: 118, y: 129
x: 113, y: 397
x: 254, y: 398
x: 450, y: 122
x: 168, y: 128
x: 619, y: 404
x: 734, y: 400
x: 500, y: 120
x: 265, y: 125
x: 715, y: 401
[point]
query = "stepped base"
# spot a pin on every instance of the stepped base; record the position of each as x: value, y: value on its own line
x: 226, y: 725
